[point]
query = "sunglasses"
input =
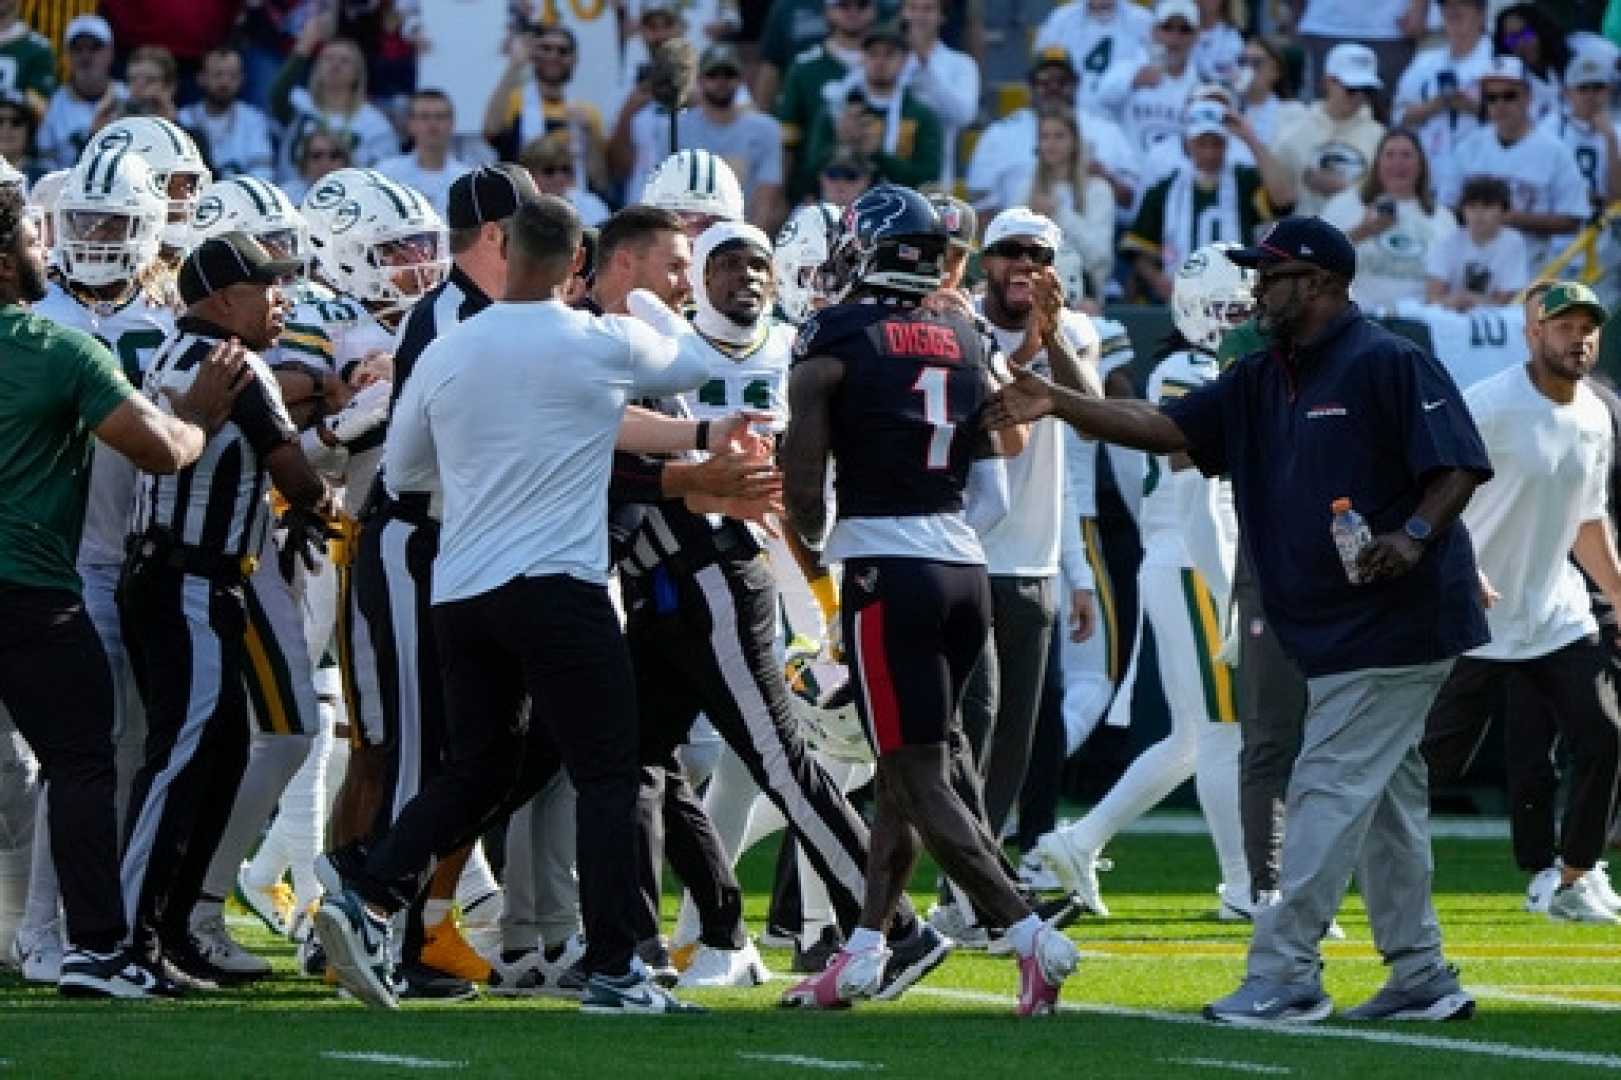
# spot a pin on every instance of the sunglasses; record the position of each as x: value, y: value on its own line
x: 554, y: 50
x: 556, y: 170
x: 1501, y: 96
x: 723, y: 73
x: 1178, y: 27
x: 840, y: 172
x: 1039, y: 254
x: 325, y: 155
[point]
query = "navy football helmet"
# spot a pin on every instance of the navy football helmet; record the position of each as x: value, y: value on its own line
x: 890, y: 240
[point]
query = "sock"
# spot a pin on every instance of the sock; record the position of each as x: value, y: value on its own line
x: 1023, y: 934
x: 42, y: 913
x: 863, y: 940
x: 435, y: 912
x: 1216, y: 778
x: 294, y: 839
x: 272, y: 761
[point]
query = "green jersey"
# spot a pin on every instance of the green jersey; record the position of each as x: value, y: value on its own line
x: 27, y: 65
x: 1241, y: 340
x: 56, y: 386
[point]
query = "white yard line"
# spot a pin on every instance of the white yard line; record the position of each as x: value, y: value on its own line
x: 403, y: 1061
x: 1505, y: 1051
x: 1175, y: 823
x: 1500, y: 993
x: 1231, y: 1066
x: 805, y: 1062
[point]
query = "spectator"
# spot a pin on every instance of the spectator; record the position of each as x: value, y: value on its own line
x: 66, y: 127
x: 793, y: 28
x: 1106, y: 35
x: 335, y: 98
x: 800, y: 102
x: 1332, y: 148
x: 238, y: 134
x: 844, y: 178
x: 1391, y: 28
x: 1547, y: 194
x: 1437, y: 96
x: 1394, y: 221
x: 1525, y: 31
x: 551, y: 160
x: 658, y: 21
x: 1213, y: 199
x: 429, y: 167
x: 1484, y: 262
x: 1216, y: 53
x: 27, y: 62
x: 318, y: 153
x: 1586, y: 127
x: 870, y: 112
x: 1266, y: 88
x: 187, y: 28
x: 999, y: 170
x: 1064, y: 189
x: 1169, y: 155
x: 1152, y: 96
x: 749, y: 140
x: 943, y: 79
x: 531, y: 100
x: 17, y: 126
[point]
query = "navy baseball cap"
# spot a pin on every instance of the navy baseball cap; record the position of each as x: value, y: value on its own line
x: 1300, y: 239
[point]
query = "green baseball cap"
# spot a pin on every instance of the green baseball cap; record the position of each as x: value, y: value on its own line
x: 1572, y: 295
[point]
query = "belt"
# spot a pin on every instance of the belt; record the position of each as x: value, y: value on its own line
x: 159, y: 548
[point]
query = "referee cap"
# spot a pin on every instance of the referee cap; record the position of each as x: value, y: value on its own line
x: 489, y: 193
x: 1572, y: 296
x: 230, y: 259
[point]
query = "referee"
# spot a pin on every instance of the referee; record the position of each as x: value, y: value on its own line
x: 197, y: 537
x: 57, y: 386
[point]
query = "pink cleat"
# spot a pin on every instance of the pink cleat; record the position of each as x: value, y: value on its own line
x: 1043, y: 972
x: 848, y: 976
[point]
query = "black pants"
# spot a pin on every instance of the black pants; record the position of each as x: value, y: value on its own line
x: 711, y: 649
x: 55, y: 682
x: 1568, y: 695
x: 556, y: 639
x: 1043, y: 779
x: 184, y: 635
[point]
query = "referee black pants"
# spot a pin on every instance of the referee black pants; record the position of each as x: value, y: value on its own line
x: 557, y: 640
x: 55, y: 682
x: 711, y: 648
x: 184, y: 634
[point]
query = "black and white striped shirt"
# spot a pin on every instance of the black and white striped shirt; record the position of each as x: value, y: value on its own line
x: 218, y: 503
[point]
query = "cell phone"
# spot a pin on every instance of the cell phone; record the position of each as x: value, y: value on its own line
x: 1385, y: 205
x: 1446, y: 82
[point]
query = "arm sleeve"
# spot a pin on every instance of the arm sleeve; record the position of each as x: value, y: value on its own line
x: 100, y: 386
x: 658, y: 365
x: 1072, y: 551
x: 1200, y: 415
x: 292, y: 74
x: 1426, y: 413
x: 986, y: 499
x: 262, y: 421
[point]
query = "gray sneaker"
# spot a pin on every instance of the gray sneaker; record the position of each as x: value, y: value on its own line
x: 1438, y: 997
x: 1266, y: 1001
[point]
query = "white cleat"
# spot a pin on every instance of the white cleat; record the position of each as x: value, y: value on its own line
x: 952, y: 921
x: 220, y: 949
x: 38, y: 955
x: 1540, y: 890
x: 1600, y: 877
x: 1076, y: 868
x: 272, y: 905
x: 716, y: 968
x: 1579, y: 902
x: 1035, y: 874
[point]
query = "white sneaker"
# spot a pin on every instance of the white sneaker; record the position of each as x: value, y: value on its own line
x: 1035, y: 874
x: 1076, y: 868
x: 38, y: 955
x: 952, y: 921
x: 1579, y: 902
x: 713, y: 967
x: 1540, y: 891
x: 220, y: 949
x: 1600, y: 876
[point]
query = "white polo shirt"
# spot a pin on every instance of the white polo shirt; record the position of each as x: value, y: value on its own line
x: 1551, y: 462
x: 517, y: 410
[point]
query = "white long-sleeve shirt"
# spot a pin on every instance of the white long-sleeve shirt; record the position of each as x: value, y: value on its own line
x: 948, y: 83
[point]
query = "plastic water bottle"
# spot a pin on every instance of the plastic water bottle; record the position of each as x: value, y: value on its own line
x: 1351, y: 535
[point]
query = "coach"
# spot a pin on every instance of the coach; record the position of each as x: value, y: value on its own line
x: 1335, y: 407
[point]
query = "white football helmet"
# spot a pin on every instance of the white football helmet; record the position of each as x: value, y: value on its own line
x: 374, y: 239
x: 824, y: 705
x: 1071, y: 271
x: 109, y: 219
x: 42, y: 200
x: 1211, y: 295
x: 802, y: 248
x: 256, y: 207
x: 173, y: 158
x: 699, y: 186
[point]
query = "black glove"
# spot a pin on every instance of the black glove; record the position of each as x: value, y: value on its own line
x: 307, y: 534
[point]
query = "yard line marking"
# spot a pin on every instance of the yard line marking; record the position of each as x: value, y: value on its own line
x: 1352, y: 950
x: 1234, y: 1066
x: 404, y: 1061
x: 1503, y: 993
x: 1310, y: 1031
x: 805, y: 1062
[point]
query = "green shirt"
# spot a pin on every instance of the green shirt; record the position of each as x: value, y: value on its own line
x: 27, y: 65
x: 1241, y: 340
x: 792, y: 26
x: 56, y: 386
x: 1147, y: 234
x: 919, y: 148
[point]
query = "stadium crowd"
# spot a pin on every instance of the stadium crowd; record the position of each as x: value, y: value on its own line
x: 322, y: 621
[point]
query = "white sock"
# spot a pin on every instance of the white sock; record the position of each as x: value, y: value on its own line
x: 864, y: 940
x: 1217, y: 780
x: 42, y: 913
x: 294, y: 839
x: 478, y: 880
x: 1023, y: 934
x: 1156, y: 772
x: 272, y: 762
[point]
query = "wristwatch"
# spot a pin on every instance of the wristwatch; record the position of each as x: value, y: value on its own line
x: 1417, y: 529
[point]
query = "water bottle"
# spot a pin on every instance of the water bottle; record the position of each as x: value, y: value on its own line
x: 1351, y: 535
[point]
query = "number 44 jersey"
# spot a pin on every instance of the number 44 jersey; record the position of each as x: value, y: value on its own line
x: 752, y: 377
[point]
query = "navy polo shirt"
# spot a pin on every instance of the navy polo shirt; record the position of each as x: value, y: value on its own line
x: 1361, y: 413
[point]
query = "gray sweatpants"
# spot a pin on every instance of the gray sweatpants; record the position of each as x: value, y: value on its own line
x: 1358, y: 802
x: 542, y: 895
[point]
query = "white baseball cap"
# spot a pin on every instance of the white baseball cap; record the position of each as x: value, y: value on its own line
x: 94, y: 25
x: 1505, y: 69
x: 1204, y: 118
x: 1023, y: 221
x: 1588, y: 68
x: 1166, y: 10
x: 1353, y: 66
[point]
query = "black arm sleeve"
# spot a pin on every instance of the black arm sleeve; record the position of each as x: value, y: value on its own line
x: 636, y: 479
x: 264, y: 426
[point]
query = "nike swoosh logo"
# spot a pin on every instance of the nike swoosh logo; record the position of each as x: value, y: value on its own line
x: 1431, y: 406
x: 1263, y: 1006
x: 143, y: 978
x: 644, y: 998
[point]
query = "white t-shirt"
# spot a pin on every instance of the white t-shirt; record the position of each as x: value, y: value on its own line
x: 1153, y: 114
x: 66, y: 126
x: 1004, y: 158
x: 1391, y: 266
x: 1025, y: 543
x: 1551, y: 464
x: 238, y: 139
x: 1420, y: 83
x: 1585, y: 144
x: 522, y: 434
x: 1542, y: 177
x: 433, y: 186
x: 1495, y: 266
x: 1097, y: 46
x: 1362, y: 20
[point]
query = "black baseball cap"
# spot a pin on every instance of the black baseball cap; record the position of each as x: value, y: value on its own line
x: 1300, y: 239
x: 488, y: 193
x: 885, y: 30
x: 230, y: 259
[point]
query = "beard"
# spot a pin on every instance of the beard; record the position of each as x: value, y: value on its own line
x: 31, y: 281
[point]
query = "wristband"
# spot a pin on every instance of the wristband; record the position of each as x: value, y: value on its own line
x: 702, y: 438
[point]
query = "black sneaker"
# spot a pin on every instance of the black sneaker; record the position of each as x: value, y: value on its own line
x: 912, y: 959
x: 814, y: 960
x: 655, y: 955
x: 632, y: 993
x: 195, y: 971
x: 419, y: 982
x: 109, y: 975
x: 572, y: 982
x: 357, y: 945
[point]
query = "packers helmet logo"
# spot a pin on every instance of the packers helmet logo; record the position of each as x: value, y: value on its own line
x: 115, y: 140
x: 1194, y: 265
x: 1403, y: 244
x: 327, y: 194
x: 209, y: 210
x: 346, y: 216
x: 1343, y: 160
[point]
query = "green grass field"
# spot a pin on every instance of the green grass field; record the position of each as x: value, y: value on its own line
x: 1550, y: 1005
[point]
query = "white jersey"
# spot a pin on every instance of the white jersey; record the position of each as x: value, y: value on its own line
x: 1153, y: 114
x: 238, y: 139
x: 133, y: 331
x: 1586, y: 145
x: 1003, y: 162
x: 1542, y: 178
x: 755, y: 378
x: 1421, y: 82
x: 66, y: 126
x: 1097, y: 46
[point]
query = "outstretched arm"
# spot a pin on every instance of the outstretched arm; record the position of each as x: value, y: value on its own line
x: 811, y: 385
x: 1123, y: 421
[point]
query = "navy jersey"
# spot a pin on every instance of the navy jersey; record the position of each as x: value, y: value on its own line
x: 906, y: 417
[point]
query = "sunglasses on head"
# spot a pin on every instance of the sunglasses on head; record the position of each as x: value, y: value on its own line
x: 1501, y: 96
x: 1012, y: 250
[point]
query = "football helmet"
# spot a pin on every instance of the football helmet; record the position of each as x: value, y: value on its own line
x: 109, y: 219
x: 802, y: 248
x: 374, y: 239
x: 256, y: 207
x: 1210, y: 295
x: 172, y: 157
x: 698, y: 186
x: 823, y: 700
x: 42, y: 202
x: 1071, y: 271
x: 890, y: 239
